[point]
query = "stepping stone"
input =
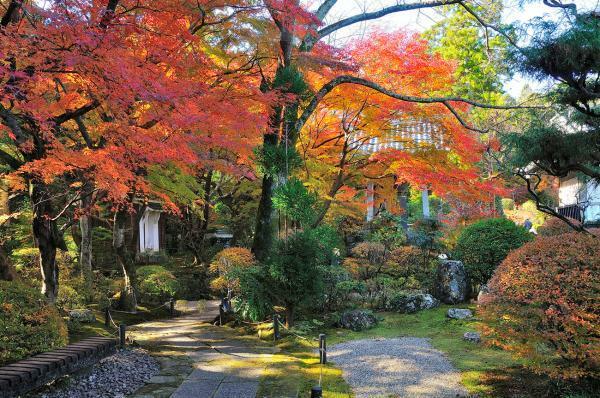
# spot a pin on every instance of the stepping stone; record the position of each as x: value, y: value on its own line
x: 198, y: 389
x: 237, y: 390
x: 158, y: 379
x: 205, y: 374
x: 459, y: 313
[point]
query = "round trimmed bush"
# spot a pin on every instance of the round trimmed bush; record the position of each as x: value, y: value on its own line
x: 156, y: 284
x: 28, y: 325
x: 224, y: 266
x: 484, y: 244
x: 544, y: 305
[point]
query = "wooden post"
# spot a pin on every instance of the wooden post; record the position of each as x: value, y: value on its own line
x: 122, y: 329
x: 107, y: 316
x: 221, y: 314
x: 276, y: 334
x: 322, y: 349
x: 172, y: 307
x: 316, y: 392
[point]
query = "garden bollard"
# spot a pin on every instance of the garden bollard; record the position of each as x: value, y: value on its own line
x: 122, y: 329
x: 221, y: 314
x: 276, y: 334
x: 316, y: 392
x: 107, y: 316
x: 172, y: 307
x: 322, y: 349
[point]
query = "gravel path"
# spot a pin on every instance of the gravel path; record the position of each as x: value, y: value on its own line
x: 113, y: 377
x: 407, y: 367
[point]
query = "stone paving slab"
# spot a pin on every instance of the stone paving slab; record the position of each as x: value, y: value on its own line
x: 199, y: 360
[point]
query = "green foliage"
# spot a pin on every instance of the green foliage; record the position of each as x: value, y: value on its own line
x: 296, y: 269
x: 292, y: 277
x: 69, y: 298
x: 290, y: 80
x: 482, y: 246
x: 156, y: 284
x: 387, y: 230
x: 28, y: 324
x: 295, y: 201
x: 182, y: 187
x: 274, y: 160
x: 566, y: 137
x: 255, y: 300
x: 479, y: 54
x: 426, y: 235
x: 508, y: 204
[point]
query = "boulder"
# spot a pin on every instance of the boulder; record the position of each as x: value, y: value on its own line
x: 459, y: 313
x: 409, y: 303
x: 82, y: 315
x: 357, y: 320
x: 451, y: 285
x: 473, y: 337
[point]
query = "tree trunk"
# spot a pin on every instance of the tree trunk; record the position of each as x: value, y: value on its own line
x: 85, y: 246
x: 7, y: 271
x: 128, y: 299
x: 289, y: 316
x: 263, y: 235
x: 47, y: 239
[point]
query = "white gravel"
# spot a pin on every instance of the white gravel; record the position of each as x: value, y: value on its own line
x: 406, y: 367
x: 113, y: 377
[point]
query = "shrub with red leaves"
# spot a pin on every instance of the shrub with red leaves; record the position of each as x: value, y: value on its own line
x: 544, y: 305
x: 555, y: 226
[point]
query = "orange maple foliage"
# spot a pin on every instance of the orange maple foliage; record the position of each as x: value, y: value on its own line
x: 138, y: 81
x: 358, y: 135
x: 544, y: 305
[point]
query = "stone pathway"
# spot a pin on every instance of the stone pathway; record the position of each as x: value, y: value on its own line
x: 200, y: 360
x: 406, y: 367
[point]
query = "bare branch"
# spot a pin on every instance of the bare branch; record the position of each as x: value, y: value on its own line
x: 531, y: 188
x: 74, y: 114
x: 346, y: 79
x: 327, y: 30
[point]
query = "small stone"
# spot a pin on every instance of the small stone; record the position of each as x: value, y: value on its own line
x: 473, y: 337
x: 459, y: 313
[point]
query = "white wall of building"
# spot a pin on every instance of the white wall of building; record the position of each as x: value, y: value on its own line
x: 149, y: 231
x: 592, y: 203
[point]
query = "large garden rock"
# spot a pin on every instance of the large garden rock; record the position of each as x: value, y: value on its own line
x: 409, y: 303
x: 82, y: 315
x: 459, y: 313
x: 451, y: 285
x: 357, y: 320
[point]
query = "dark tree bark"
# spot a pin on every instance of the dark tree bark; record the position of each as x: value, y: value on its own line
x: 47, y: 238
x: 7, y: 271
x: 126, y: 259
x: 85, y: 246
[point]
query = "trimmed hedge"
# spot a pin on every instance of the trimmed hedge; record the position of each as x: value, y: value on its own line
x: 483, y: 245
x: 28, y: 325
x: 156, y: 284
x: 544, y: 305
